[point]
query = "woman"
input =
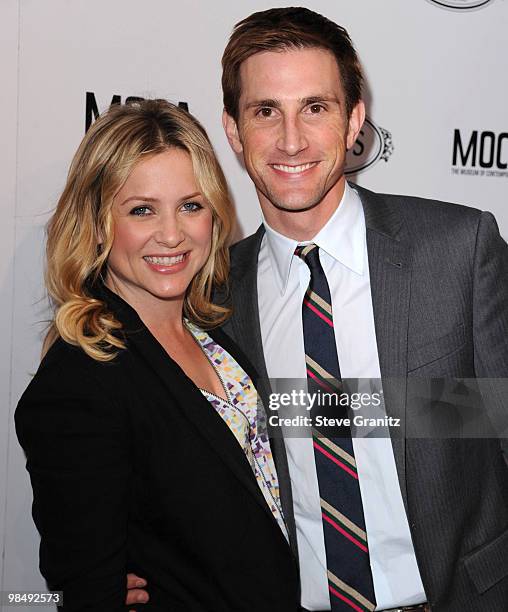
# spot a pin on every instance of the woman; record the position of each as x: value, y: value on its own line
x: 140, y: 428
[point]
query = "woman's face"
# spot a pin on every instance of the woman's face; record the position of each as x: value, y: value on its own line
x: 162, y: 231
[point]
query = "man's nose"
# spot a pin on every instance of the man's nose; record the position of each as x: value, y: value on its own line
x: 169, y: 231
x: 292, y: 137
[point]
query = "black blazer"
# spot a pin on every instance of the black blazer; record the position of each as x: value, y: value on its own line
x: 439, y: 283
x: 133, y: 470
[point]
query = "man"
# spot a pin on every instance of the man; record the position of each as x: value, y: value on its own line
x: 408, y: 288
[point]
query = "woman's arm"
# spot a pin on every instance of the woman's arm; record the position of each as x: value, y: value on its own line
x: 75, y: 439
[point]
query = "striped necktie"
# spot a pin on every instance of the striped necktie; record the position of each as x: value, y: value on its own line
x: 347, y: 556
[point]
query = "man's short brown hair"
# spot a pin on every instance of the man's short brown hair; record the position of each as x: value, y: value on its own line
x: 281, y: 29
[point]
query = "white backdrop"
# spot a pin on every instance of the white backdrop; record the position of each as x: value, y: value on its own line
x: 435, y: 71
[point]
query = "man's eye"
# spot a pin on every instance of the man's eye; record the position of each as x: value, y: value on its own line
x: 315, y: 109
x: 266, y: 111
x: 140, y: 211
x: 191, y: 206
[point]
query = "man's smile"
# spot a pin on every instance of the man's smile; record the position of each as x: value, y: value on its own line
x: 293, y: 169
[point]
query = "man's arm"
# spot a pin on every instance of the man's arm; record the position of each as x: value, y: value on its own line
x: 490, y: 321
x: 490, y: 300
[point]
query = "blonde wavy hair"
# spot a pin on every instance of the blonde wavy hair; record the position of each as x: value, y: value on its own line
x: 74, y: 260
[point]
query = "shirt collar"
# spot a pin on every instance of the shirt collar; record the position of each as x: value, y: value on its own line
x: 343, y: 238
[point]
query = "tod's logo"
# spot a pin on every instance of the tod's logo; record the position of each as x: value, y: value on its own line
x: 373, y: 143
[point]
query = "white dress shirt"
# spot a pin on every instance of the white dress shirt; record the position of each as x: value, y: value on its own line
x: 282, y: 281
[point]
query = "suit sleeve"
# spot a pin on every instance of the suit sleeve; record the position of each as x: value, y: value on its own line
x: 490, y: 320
x: 74, y: 438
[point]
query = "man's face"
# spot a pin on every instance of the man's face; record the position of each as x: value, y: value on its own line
x: 293, y: 130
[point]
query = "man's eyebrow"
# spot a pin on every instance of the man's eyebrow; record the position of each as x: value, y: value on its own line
x: 320, y: 98
x: 273, y: 103
x: 269, y: 102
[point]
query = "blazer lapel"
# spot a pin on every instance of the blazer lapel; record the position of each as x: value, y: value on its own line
x: 390, y: 278
x: 188, y: 398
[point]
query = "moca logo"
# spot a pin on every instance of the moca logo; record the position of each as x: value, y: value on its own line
x: 373, y: 143
x: 480, y: 153
x: 461, y: 5
x: 92, y: 109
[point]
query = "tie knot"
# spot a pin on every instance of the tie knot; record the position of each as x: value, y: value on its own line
x: 309, y: 253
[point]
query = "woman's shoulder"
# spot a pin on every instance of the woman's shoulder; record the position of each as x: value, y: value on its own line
x: 69, y: 389
x: 67, y: 371
x: 65, y: 357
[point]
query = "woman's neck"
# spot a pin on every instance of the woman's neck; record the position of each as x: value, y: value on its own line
x: 163, y: 317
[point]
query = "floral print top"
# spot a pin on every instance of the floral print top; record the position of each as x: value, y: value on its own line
x: 245, y: 416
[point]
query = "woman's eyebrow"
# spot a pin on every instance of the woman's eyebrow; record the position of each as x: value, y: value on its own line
x: 139, y: 199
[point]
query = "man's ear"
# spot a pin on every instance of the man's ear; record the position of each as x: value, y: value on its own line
x: 356, y: 120
x: 231, y: 130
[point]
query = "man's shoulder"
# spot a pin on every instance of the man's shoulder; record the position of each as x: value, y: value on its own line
x: 418, y: 215
x: 410, y: 205
x: 245, y: 252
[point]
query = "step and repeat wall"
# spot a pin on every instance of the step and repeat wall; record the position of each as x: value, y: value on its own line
x: 437, y: 127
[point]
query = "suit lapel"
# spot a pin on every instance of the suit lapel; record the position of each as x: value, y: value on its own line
x: 188, y: 398
x: 390, y: 278
x: 245, y: 328
x: 245, y: 322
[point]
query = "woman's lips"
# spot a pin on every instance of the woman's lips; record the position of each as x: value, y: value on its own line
x: 167, y: 263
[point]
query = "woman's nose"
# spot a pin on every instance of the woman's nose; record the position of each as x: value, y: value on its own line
x: 169, y: 231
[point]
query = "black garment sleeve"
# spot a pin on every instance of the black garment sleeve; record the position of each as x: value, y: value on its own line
x: 76, y: 444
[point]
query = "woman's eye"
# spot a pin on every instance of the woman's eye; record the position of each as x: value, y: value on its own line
x: 191, y: 206
x: 140, y: 211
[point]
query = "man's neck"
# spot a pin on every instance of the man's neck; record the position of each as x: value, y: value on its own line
x: 304, y: 225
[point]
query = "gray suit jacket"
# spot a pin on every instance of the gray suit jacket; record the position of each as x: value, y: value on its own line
x: 439, y: 282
